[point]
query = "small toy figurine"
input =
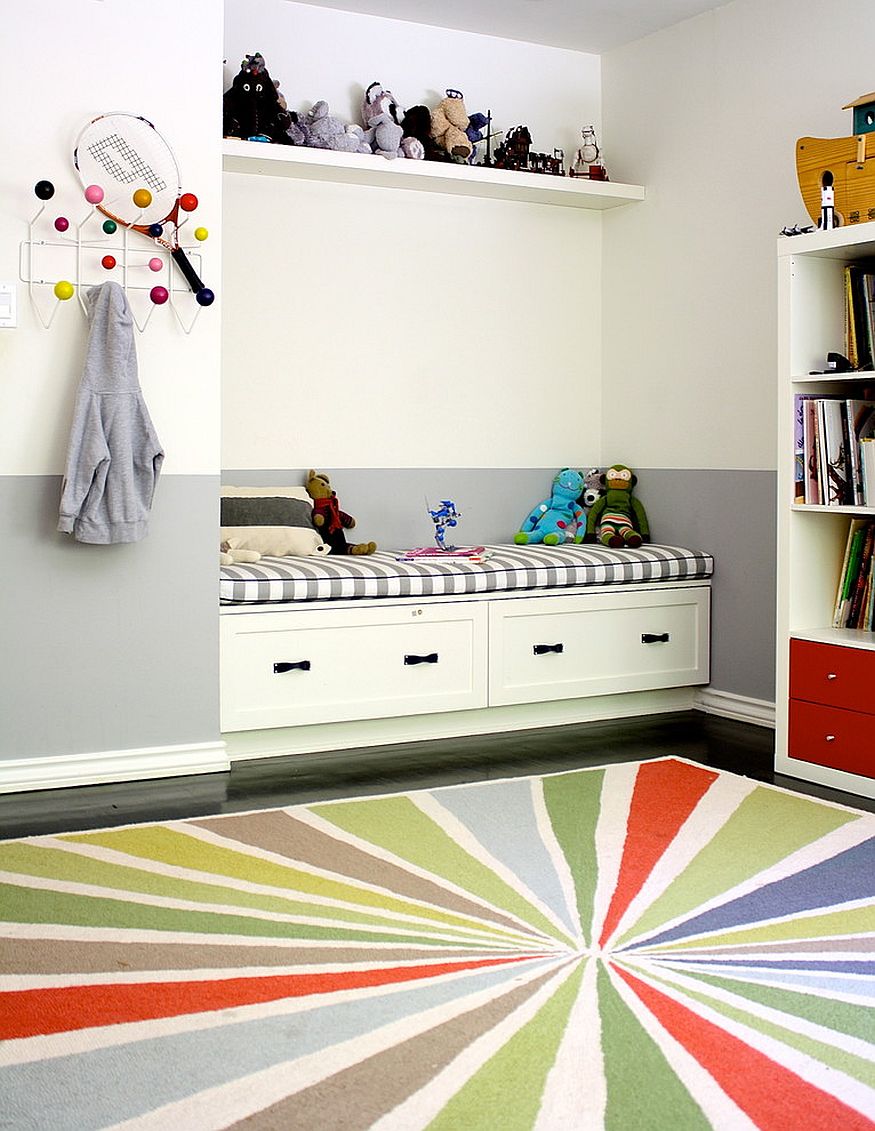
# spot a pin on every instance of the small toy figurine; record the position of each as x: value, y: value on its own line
x: 443, y: 516
x: 587, y: 160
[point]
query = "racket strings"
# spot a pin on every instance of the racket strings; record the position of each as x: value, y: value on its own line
x: 133, y: 168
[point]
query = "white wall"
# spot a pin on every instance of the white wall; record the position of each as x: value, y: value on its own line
x: 85, y: 64
x: 406, y: 329
x: 706, y: 115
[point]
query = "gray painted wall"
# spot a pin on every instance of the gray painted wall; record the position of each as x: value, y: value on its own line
x: 711, y: 510
x: 108, y: 647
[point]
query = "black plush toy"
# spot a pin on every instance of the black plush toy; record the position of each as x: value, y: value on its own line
x: 417, y: 123
x: 253, y: 109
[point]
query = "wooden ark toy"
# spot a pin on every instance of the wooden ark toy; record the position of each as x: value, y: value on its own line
x: 847, y: 164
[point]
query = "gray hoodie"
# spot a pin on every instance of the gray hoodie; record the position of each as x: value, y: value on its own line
x: 114, y: 455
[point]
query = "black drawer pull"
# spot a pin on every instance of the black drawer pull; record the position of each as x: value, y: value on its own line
x: 301, y: 666
x: 655, y: 638
x: 431, y: 658
x: 542, y: 649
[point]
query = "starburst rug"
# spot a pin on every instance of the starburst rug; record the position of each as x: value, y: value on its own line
x: 648, y: 945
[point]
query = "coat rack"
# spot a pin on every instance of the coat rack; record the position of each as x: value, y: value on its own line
x: 77, y: 255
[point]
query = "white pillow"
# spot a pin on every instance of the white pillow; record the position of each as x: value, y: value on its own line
x: 275, y: 541
x: 266, y: 493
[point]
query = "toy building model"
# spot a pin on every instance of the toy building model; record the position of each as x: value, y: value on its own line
x: 846, y: 165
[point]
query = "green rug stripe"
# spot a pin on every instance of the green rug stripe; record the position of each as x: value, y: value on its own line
x: 829, y: 925
x: 764, y: 829
x: 832, y: 1057
x: 399, y: 825
x: 167, y: 846
x: 840, y: 1016
x: 506, y: 1092
x: 644, y: 1092
x: 32, y: 905
x: 573, y: 804
x: 58, y: 864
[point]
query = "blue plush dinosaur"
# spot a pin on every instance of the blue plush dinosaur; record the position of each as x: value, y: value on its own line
x: 559, y: 518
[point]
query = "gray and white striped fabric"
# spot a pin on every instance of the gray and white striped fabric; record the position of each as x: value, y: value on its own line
x: 507, y: 567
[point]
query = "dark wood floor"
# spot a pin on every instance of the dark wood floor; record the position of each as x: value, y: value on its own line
x: 707, y: 739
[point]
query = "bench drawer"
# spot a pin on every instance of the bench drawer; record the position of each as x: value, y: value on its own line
x: 544, y: 648
x: 831, y: 736
x: 312, y: 666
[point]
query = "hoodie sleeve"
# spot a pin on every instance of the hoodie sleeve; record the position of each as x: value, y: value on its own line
x: 87, y: 456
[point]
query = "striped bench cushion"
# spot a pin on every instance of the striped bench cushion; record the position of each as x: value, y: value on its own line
x: 507, y: 567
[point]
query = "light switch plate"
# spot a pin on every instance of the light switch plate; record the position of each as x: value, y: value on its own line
x: 8, y: 306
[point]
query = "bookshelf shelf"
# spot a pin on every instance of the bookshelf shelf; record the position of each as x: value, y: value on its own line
x: 823, y: 673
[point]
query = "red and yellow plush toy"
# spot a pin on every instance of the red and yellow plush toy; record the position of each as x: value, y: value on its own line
x: 618, y: 518
x: 329, y: 519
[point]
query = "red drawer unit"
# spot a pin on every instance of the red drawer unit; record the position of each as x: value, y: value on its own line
x: 832, y: 675
x: 830, y: 736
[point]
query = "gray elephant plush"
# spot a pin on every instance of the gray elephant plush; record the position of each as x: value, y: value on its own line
x: 327, y: 132
x: 382, y: 117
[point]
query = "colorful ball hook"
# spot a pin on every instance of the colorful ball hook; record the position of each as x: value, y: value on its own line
x: 142, y: 198
x: 64, y: 290
x: 159, y: 295
x: 156, y: 264
x: 45, y: 190
x: 155, y: 230
x: 94, y: 194
x: 188, y: 202
x: 109, y: 226
x: 205, y: 297
x: 201, y: 233
x: 108, y: 262
x: 62, y: 223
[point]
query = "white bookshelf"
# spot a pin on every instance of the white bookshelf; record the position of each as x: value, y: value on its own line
x: 262, y: 159
x: 811, y: 538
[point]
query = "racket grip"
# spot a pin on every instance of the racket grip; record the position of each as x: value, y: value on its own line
x: 191, y: 276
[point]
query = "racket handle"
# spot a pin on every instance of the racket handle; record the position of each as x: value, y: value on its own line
x: 191, y: 276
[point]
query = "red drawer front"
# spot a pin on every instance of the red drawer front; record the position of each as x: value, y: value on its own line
x: 827, y: 736
x: 832, y: 675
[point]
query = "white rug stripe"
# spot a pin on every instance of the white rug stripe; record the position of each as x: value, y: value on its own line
x: 686, y: 985
x: 557, y: 857
x: 462, y: 835
x: 219, y: 1107
x: 775, y: 981
x: 720, y: 800
x: 26, y: 1049
x: 575, y: 1095
x: 719, y: 1108
x: 423, y: 1106
x: 836, y: 1082
x: 618, y: 786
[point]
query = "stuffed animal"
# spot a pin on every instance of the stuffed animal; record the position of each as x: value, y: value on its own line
x: 227, y: 556
x: 593, y: 487
x: 474, y: 132
x: 329, y: 519
x: 327, y: 132
x: 618, y: 518
x: 416, y: 125
x: 557, y: 519
x: 384, y: 133
x: 449, y: 120
x: 252, y: 108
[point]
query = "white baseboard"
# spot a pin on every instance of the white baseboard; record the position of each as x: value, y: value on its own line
x: 58, y: 771
x: 760, y: 712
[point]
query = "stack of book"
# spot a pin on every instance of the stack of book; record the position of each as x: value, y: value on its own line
x: 855, y: 596
x: 860, y: 315
x: 833, y: 442
x: 433, y: 553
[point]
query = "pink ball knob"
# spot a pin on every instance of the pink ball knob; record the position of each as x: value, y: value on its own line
x: 62, y: 224
x: 156, y: 264
x: 108, y: 262
x: 94, y: 194
x: 159, y: 295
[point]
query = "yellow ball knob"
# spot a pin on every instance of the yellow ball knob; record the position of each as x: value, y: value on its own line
x: 64, y: 290
x: 200, y: 233
x: 142, y: 198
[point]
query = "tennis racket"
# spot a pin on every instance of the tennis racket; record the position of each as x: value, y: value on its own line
x: 124, y: 154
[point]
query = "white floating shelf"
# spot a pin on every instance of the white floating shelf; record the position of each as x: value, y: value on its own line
x: 846, y: 242
x: 265, y: 159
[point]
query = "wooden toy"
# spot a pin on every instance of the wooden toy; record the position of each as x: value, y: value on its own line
x: 846, y: 165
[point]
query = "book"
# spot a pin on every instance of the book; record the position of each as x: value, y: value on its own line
x: 856, y: 535
x: 833, y: 454
x: 810, y: 451
x: 867, y: 462
x: 433, y: 553
x: 860, y: 424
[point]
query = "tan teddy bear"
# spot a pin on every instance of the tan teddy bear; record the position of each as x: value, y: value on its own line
x: 449, y: 120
